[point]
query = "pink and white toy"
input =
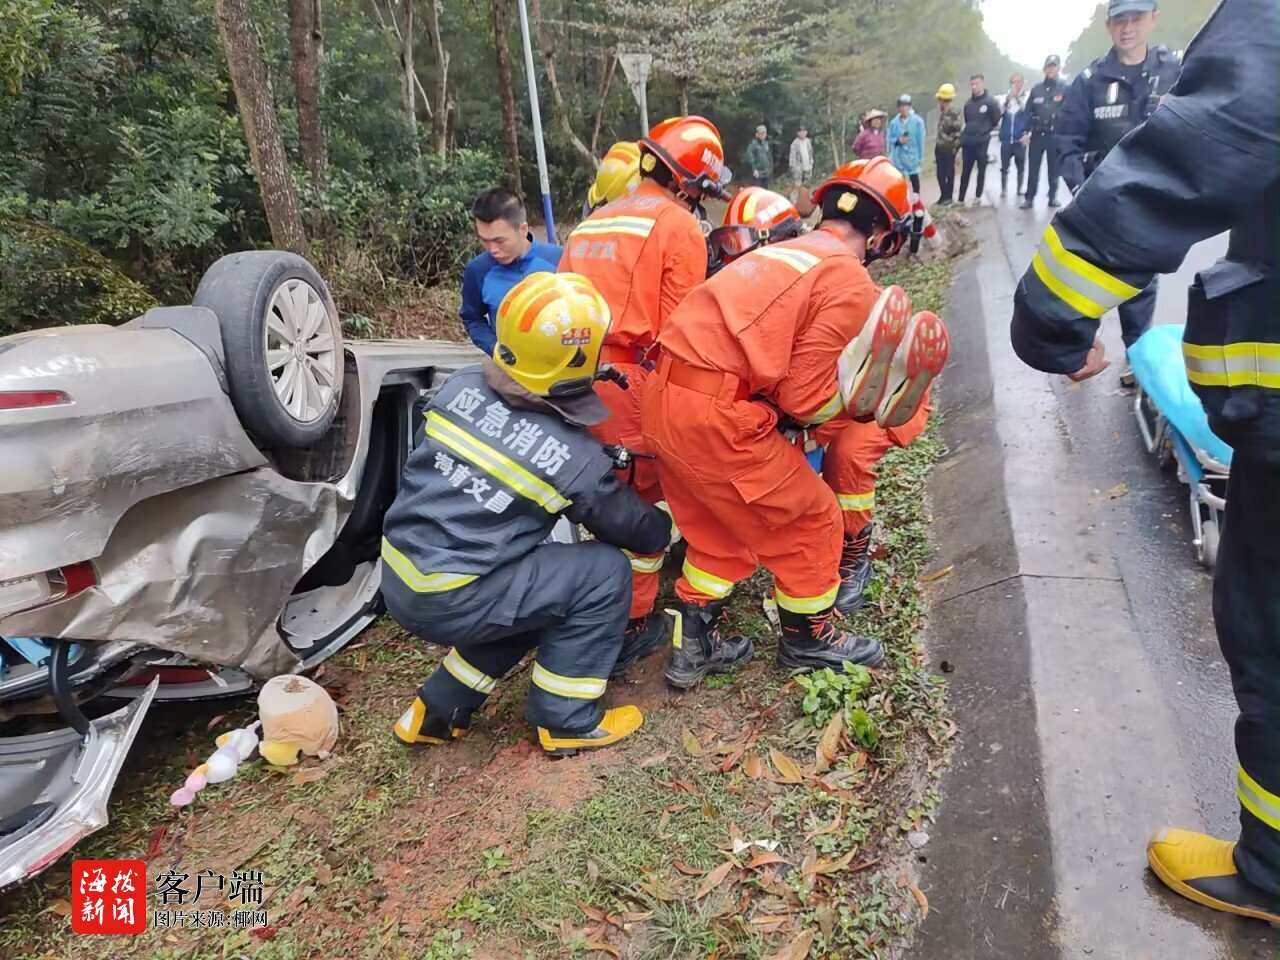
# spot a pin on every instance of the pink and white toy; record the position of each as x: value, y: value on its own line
x: 233, y: 749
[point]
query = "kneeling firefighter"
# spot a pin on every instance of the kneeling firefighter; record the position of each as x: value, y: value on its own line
x: 506, y: 452
x: 795, y: 329
x: 757, y: 217
x: 754, y: 217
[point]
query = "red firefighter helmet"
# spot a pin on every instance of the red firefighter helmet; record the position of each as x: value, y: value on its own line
x: 882, y: 183
x: 755, y: 216
x: 690, y: 147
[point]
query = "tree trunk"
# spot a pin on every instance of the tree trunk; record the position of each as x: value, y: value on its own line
x: 407, y: 86
x: 307, y: 46
x: 440, y: 118
x: 256, y: 104
x: 557, y: 98
x: 392, y: 33
x: 684, y: 96
x: 602, y: 100
x: 499, y: 9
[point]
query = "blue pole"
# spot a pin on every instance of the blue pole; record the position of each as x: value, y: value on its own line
x: 543, y: 180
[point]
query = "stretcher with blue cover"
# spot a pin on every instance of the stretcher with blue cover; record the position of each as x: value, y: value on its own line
x: 1176, y: 430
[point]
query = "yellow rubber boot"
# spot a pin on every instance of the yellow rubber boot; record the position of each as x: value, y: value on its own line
x: 415, y: 727
x: 616, y: 724
x: 1202, y: 868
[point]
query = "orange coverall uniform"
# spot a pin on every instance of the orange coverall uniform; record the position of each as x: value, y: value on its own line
x: 644, y: 252
x: 849, y: 464
x: 760, y: 338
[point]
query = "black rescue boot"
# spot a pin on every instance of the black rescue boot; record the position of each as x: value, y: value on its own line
x: 644, y: 635
x: 855, y: 571
x: 698, y: 648
x: 810, y: 641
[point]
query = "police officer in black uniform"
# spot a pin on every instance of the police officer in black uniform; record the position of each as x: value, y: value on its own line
x: 505, y: 454
x: 1042, y: 116
x: 1207, y: 160
x: 1109, y: 98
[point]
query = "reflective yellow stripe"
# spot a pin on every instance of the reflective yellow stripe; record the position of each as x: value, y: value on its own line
x: 480, y: 454
x: 807, y: 604
x: 1081, y: 304
x: 1261, y: 803
x: 644, y: 564
x: 467, y: 675
x: 1081, y: 267
x: 415, y: 579
x: 1244, y: 364
x: 827, y: 410
x: 857, y: 501
x: 801, y: 261
x: 715, y: 587
x: 632, y: 226
x: 579, y: 688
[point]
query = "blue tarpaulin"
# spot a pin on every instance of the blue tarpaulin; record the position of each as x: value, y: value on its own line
x: 1158, y: 365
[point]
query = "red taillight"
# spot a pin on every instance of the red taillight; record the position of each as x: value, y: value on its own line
x: 42, y: 589
x: 23, y: 399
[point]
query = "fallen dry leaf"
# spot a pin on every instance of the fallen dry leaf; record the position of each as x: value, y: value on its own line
x: 61, y: 907
x: 828, y: 751
x: 602, y: 947
x: 798, y: 948
x: 635, y: 916
x: 715, y: 878
x: 735, y: 754
x: 655, y: 760
x: 827, y: 867
x: 1118, y: 491
x: 214, y: 722
x: 593, y: 870
x: 684, y: 785
x: 830, y: 828
x: 692, y: 746
x: 753, y: 766
x: 922, y: 900
x: 687, y: 870
x: 762, y: 859
x: 771, y: 919
x: 324, y: 873
x: 937, y: 574
x: 310, y: 774
x: 597, y: 915
x: 787, y: 767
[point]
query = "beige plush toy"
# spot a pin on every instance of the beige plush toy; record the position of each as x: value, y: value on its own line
x: 298, y: 716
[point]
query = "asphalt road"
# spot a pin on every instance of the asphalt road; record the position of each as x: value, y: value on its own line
x: 1092, y: 699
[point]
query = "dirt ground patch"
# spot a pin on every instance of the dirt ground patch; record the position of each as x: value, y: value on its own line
x: 758, y: 816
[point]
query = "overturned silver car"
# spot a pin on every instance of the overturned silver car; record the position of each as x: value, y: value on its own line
x: 190, y: 504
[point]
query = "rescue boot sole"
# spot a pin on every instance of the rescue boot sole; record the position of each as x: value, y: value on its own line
x: 864, y: 364
x: 1182, y: 888
x: 918, y: 360
x: 618, y: 724
x: 687, y: 680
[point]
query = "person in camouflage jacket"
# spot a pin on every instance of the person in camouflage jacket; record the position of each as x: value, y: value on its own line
x: 950, y: 127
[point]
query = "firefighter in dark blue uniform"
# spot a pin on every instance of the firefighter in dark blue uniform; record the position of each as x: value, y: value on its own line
x: 505, y: 454
x: 1043, y: 106
x: 1109, y: 98
x: 1207, y: 160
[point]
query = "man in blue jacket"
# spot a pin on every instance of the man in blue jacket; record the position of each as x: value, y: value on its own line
x: 1013, y: 127
x: 510, y: 255
x: 906, y: 141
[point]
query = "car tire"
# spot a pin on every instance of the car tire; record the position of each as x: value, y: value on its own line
x: 283, y: 344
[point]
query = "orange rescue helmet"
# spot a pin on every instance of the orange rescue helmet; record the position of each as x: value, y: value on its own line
x: 755, y: 216
x: 882, y: 183
x: 689, y: 147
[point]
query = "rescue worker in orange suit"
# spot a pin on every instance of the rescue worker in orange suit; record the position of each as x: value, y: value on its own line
x: 755, y: 217
x: 644, y: 252
x: 505, y: 454
x: 795, y: 330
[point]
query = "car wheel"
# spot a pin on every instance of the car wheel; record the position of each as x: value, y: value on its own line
x: 283, y: 344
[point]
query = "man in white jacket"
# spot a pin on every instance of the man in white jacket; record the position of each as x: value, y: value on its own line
x: 801, y: 162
